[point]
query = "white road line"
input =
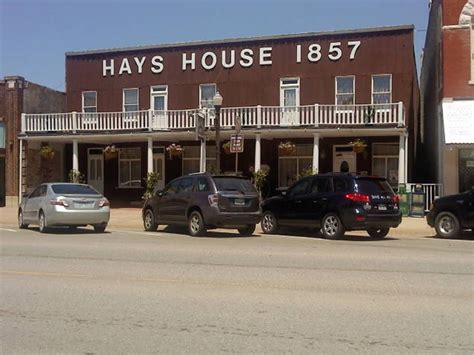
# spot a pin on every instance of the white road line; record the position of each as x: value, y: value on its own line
x: 9, y: 230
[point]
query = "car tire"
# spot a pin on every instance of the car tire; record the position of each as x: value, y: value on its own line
x: 100, y: 228
x: 21, y: 223
x: 378, y: 233
x: 269, y: 223
x: 149, y: 222
x: 196, y: 225
x: 42, y: 224
x: 332, y: 227
x: 447, y: 225
x: 247, y: 230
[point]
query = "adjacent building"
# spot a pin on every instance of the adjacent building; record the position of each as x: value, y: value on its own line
x: 18, y: 96
x: 315, y: 92
x: 447, y: 87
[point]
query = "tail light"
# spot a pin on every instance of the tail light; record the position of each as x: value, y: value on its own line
x: 104, y: 202
x: 213, y: 200
x: 59, y: 201
x: 396, y: 199
x: 357, y: 197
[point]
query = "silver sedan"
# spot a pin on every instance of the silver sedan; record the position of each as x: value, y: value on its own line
x: 64, y: 204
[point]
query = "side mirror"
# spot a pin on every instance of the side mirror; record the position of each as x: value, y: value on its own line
x: 159, y: 193
x: 283, y: 193
x: 25, y: 195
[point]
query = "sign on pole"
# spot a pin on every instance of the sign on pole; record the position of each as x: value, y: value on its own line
x: 236, y: 143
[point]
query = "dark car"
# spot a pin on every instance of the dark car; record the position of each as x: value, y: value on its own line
x: 450, y: 214
x: 335, y: 203
x: 202, y: 201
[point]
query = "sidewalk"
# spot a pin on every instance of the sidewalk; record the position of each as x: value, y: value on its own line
x: 131, y: 219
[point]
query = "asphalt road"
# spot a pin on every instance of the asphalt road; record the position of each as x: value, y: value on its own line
x: 137, y: 292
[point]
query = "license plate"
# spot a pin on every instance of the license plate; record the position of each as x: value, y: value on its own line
x: 382, y: 208
x: 239, y: 202
x: 83, y: 205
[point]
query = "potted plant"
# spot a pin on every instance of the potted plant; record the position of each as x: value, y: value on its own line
x: 286, y: 148
x: 174, y: 150
x: 151, y: 181
x: 75, y: 176
x: 46, y: 152
x: 259, y: 178
x: 110, y: 152
x: 226, y: 147
x: 358, y: 145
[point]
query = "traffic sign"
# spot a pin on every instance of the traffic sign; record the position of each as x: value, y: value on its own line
x: 236, y: 143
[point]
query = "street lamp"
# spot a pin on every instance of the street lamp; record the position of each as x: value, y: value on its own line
x: 217, y: 101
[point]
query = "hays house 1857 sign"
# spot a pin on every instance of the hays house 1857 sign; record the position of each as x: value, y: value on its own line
x: 246, y: 57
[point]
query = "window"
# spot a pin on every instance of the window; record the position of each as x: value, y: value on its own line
x: 385, y: 161
x: 89, y: 101
x: 290, y: 92
x: 202, y: 184
x: 341, y: 184
x: 321, y: 185
x: 191, y: 158
x: 206, y: 94
x: 159, y: 97
x: 130, y: 167
x: 172, y: 187
x: 290, y: 167
x: 72, y: 189
x: 345, y: 90
x: 381, y: 89
x: 2, y: 135
x: 185, y: 185
x: 130, y: 100
x: 300, y: 188
x: 472, y: 50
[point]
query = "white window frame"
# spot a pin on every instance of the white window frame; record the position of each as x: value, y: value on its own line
x: 384, y: 156
x: 120, y: 159
x: 154, y: 91
x: 385, y: 92
x: 208, y: 159
x: 294, y: 85
x: 3, y: 132
x: 297, y: 157
x: 353, y: 90
x: 471, y: 82
x: 123, y: 99
x: 200, y: 92
x: 83, y: 101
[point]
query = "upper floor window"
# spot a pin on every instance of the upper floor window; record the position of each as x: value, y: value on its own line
x: 382, y: 89
x: 89, y: 101
x: 130, y: 100
x: 289, y: 92
x: 159, y: 97
x: 2, y: 135
x: 472, y: 50
x: 345, y: 90
x: 206, y: 94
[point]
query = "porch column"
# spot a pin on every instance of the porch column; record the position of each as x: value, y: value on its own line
x: 150, y: 155
x: 75, y: 155
x: 401, y: 160
x: 315, y: 153
x: 257, y: 151
x: 202, y: 157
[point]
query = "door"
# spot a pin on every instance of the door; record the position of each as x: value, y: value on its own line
x: 159, y: 166
x: 315, y: 204
x: 95, y: 171
x: 345, y: 160
x: 290, y: 101
x: 33, y: 204
x: 294, y: 210
x: 159, y: 105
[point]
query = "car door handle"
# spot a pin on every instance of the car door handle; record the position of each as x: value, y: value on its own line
x: 298, y: 201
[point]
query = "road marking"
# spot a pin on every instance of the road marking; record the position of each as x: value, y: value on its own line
x: 9, y: 230
x: 32, y: 273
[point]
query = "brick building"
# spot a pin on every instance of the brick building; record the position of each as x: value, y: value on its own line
x: 318, y: 91
x: 19, y: 96
x: 447, y: 89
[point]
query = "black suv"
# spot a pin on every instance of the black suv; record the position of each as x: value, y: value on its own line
x: 335, y: 203
x: 449, y: 214
x: 202, y: 201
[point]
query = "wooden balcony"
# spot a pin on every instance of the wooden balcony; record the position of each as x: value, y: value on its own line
x: 255, y: 117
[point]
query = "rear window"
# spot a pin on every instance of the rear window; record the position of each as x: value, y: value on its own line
x: 71, y: 189
x: 233, y: 184
x: 372, y: 186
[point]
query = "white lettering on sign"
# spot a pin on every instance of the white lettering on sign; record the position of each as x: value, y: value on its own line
x: 312, y: 53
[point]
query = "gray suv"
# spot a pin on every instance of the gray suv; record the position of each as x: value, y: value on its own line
x: 203, y: 201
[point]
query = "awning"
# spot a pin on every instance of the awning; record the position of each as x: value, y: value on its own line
x: 458, y: 118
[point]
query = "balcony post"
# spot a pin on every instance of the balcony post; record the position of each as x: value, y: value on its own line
x: 75, y: 155
x: 23, y: 123
x: 315, y: 153
x: 202, y: 156
x: 150, y: 119
x: 74, y: 121
x: 400, y: 114
x: 316, y: 115
x: 259, y: 116
x: 401, y: 160
x: 150, y: 155
x: 257, y: 151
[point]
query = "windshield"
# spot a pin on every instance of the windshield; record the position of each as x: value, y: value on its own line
x: 372, y: 186
x: 233, y: 184
x: 72, y: 189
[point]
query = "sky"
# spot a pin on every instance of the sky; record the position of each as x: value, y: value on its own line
x: 36, y: 34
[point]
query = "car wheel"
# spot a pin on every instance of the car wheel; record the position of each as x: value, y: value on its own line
x: 378, y: 233
x: 247, y: 231
x: 196, y: 224
x: 42, y: 222
x: 149, y: 222
x: 447, y: 225
x: 269, y: 223
x: 100, y: 228
x: 332, y: 227
x: 21, y: 223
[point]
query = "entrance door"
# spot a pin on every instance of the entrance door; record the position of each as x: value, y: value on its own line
x: 290, y: 101
x: 95, y: 172
x: 159, y: 166
x: 345, y: 160
x: 159, y: 105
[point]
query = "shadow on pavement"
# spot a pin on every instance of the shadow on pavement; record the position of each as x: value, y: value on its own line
x: 464, y: 235
x: 313, y: 233
x: 68, y: 230
x: 232, y: 233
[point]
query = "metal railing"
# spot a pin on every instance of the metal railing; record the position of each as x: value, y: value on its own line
x: 431, y: 191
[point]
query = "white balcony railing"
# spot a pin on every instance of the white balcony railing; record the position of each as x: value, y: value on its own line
x: 321, y: 116
x: 431, y: 191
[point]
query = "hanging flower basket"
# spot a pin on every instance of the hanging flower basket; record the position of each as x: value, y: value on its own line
x: 110, y: 152
x: 226, y: 147
x: 358, y: 146
x: 46, y: 152
x: 174, y: 150
x: 286, y: 148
